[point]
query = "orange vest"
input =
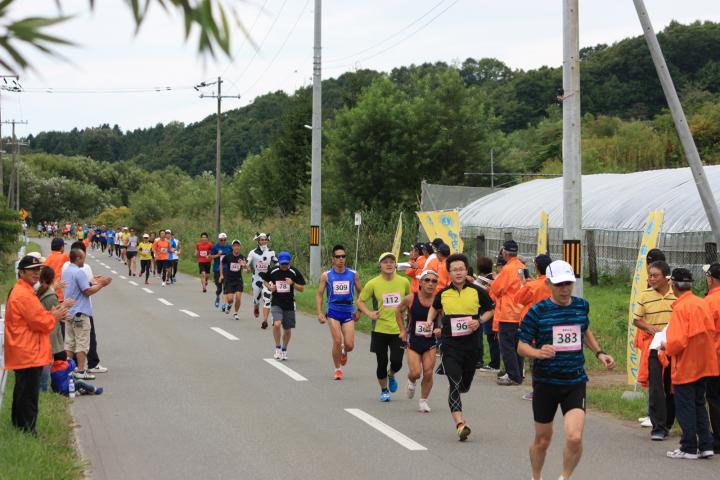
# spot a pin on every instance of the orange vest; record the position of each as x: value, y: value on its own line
x: 691, y: 340
x: 412, y: 274
x: 713, y: 300
x: 531, y: 293
x: 56, y: 260
x: 503, y: 289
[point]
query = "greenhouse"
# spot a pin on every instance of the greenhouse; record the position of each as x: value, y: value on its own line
x: 615, y: 208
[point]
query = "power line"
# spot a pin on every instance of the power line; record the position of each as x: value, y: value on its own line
x: 118, y: 90
x: 245, y: 40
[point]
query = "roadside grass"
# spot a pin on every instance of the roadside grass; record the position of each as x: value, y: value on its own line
x: 608, y: 398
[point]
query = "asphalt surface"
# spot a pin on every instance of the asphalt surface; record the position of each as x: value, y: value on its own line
x: 182, y: 401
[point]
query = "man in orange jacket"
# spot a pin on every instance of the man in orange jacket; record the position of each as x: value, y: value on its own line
x: 690, y: 342
x: 417, y: 265
x: 507, y: 313
x: 535, y: 290
x: 27, y: 342
x: 56, y: 260
x: 712, y: 275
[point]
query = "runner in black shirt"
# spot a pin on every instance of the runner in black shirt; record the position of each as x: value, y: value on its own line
x: 282, y: 281
x: 232, y: 266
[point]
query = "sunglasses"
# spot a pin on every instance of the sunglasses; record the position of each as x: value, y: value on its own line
x: 429, y: 280
x: 340, y: 256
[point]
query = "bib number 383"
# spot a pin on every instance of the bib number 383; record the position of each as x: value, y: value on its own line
x: 460, y: 326
x: 567, y: 338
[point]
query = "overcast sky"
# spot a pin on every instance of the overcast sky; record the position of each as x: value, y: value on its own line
x: 377, y: 34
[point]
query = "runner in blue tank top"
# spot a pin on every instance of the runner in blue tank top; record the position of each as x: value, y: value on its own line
x: 341, y: 284
x: 421, y: 339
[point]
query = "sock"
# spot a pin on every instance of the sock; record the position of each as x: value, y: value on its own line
x: 284, y: 349
x: 384, y: 390
x: 278, y: 347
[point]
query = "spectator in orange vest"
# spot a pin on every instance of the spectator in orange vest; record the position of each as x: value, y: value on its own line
x: 691, y: 344
x: 535, y: 290
x: 417, y: 265
x: 443, y: 252
x: 56, y: 260
x: 712, y: 275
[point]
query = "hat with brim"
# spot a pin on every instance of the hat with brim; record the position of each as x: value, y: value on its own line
x: 236, y: 241
x: 38, y: 256
x: 284, y: 258
x: 385, y: 255
x: 426, y: 273
x: 222, y: 236
x: 560, y: 271
x: 29, y: 262
x: 681, y: 275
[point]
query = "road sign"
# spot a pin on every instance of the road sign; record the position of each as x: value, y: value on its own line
x: 23, y: 213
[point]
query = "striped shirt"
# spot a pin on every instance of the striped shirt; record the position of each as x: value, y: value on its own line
x: 547, y: 323
x: 654, y: 307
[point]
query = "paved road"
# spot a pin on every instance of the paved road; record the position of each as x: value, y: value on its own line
x: 183, y: 401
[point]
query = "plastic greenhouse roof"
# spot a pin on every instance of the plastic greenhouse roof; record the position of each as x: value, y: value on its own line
x: 610, y: 202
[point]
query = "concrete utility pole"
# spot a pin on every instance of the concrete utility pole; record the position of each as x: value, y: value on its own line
x: 572, y: 159
x: 315, y: 175
x: 218, y: 147
x: 15, y: 88
x: 13, y: 200
x: 681, y: 125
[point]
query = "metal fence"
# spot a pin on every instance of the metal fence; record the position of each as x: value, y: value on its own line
x: 611, y: 252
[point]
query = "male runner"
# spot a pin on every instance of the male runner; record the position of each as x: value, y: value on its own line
x: 231, y: 269
x: 341, y: 284
x: 260, y: 260
x: 464, y: 306
x: 282, y: 281
x: 387, y: 291
x: 553, y: 333
x: 421, y: 341
x: 162, y: 248
x: 218, y: 250
x: 202, y: 252
x: 117, y: 241
x: 131, y: 252
x: 145, y: 254
x: 110, y: 240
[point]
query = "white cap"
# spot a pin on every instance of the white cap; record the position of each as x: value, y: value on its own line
x: 425, y: 273
x: 560, y: 272
x: 222, y: 235
x: 38, y: 256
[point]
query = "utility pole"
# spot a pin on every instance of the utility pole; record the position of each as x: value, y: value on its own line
x: 315, y: 175
x: 572, y: 160
x: 13, y: 200
x: 492, y: 169
x: 218, y: 148
x: 681, y: 125
x: 12, y: 88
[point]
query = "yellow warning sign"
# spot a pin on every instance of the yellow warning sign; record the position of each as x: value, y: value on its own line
x: 23, y: 213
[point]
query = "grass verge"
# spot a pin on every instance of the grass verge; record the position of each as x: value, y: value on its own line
x: 608, y: 398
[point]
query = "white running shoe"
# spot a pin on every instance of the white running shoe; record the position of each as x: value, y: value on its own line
x: 646, y: 423
x: 278, y: 354
x: 284, y: 354
x: 410, y: 389
x: 423, y: 406
x: 163, y: 284
x: 677, y: 453
x: 98, y: 369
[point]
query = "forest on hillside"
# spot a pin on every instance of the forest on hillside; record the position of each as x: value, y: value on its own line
x: 384, y: 133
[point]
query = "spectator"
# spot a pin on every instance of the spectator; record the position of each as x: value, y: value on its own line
x: 48, y: 299
x: 712, y: 275
x: 56, y: 260
x: 27, y: 342
x: 484, y: 280
x: 417, y: 264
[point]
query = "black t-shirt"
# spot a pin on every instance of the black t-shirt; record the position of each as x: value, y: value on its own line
x: 232, y: 266
x: 284, y: 295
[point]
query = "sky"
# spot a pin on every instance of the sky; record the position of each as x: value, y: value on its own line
x: 379, y: 34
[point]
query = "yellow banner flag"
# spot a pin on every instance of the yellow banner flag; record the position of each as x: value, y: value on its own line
x: 543, y: 247
x: 649, y: 241
x: 398, y: 239
x: 444, y: 224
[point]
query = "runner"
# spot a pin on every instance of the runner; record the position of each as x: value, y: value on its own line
x: 553, y: 333
x: 462, y: 307
x: 202, y: 252
x: 282, y: 281
x: 341, y: 284
x: 387, y: 291
x: 131, y: 251
x: 421, y: 341
x: 162, y: 248
x: 152, y: 239
x: 124, y: 238
x: 174, y: 257
x: 146, y: 249
x: 231, y: 269
x: 260, y: 260
x: 110, y: 240
x: 117, y: 242
x: 218, y: 250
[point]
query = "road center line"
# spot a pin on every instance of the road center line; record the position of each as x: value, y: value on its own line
x: 123, y: 277
x: 286, y: 370
x: 189, y: 313
x: 133, y: 283
x: 225, y: 334
x: 164, y: 302
x: 106, y: 266
x: 385, y: 429
x: 113, y: 271
x: 147, y: 290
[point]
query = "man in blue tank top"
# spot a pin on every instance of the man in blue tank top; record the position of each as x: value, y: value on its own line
x: 341, y: 284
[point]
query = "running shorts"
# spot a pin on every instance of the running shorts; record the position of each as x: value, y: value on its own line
x: 547, y: 397
x: 204, y: 267
x: 420, y: 344
x: 342, y: 317
x: 131, y: 255
x: 232, y: 286
x: 287, y: 317
x: 383, y: 341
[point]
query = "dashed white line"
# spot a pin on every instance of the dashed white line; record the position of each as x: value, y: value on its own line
x: 147, y: 290
x: 107, y: 266
x: 164, y: 302
x: 286, y: 370
x: 113, y: 271
x: 385, y: 429
x: 189, y: 313
x: 133, y: 283
x: 225, y: 334
x: 123, y: 277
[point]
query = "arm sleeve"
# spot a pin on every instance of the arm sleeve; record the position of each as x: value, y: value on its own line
x: 677, y: 337
x: 497, y: 286
x: 639, y: 310
x: 524, y: 296
x: 437, y: 303
x: 38, y: 319
x: 367, y: 292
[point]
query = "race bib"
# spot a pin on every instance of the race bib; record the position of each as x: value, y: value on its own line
x: 261, y: 266
x: 133, y: 244
x: 460, y: 326
x: 235, y: 267
x: 203, y: 253
x: 567, y: 338
x: 341, y: 287
x: 146, y: 250
x: 281, y: 286
x: 420, y: 330
x: 391, y: 300
x: 163, y: 250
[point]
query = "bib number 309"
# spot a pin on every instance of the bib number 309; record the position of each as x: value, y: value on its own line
x: 567, y: 338
x: 460, y: 326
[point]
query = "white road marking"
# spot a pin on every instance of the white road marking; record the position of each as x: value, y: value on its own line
x: 286, y: 370
x: 123, y: 277
x: 113, y: 271
x: 385, y: 429
x: 189, y: 313
x: 133, y: 283
x: 147, y: 290
x: 107, y: 266
x: 164, y: 302
x: 225, y: 334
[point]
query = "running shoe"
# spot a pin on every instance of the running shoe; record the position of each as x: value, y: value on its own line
x: 98, y: 390
x: 706, y: 454
x: 204, y: 289
x: 646, y: 423
x: 83, y: 375
x: 410, y: 389
x: 163, y: 284
x: 217, y: 302
x: 256, y: 311
x: 392, y: 384
x: 488, y: 369
x: 338, y: 374
x: 284, y: 355
x: 677, y: 453
x: 278, y: 354
x: 98, y: 369
x: 343, y: 356
x: 385, y: 396
x: 147, y: 283
x: 528, y: 396
x: 506, y: 381
x: 423, y: 406
x: 235, y: 316
x: 463, y: 431
x: 264, y: 324
x: 658, y: 436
